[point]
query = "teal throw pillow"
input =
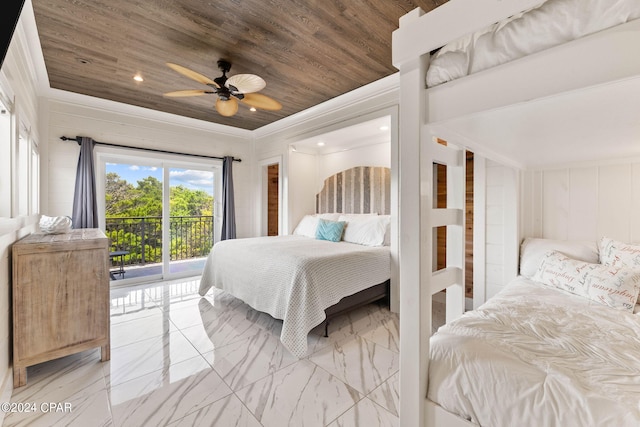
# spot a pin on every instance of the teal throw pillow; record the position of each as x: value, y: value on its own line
x: 329, y: 230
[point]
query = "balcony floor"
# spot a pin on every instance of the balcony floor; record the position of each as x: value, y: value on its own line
x: 194, y: 266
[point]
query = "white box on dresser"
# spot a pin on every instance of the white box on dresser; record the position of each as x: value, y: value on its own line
x: 60, y: 297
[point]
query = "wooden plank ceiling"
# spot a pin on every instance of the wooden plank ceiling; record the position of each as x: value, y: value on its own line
x: 307, y: 51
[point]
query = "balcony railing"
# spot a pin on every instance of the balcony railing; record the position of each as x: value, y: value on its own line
x: 191, y: 237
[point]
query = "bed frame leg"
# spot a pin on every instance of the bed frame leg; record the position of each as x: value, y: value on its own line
x: 326, y: 329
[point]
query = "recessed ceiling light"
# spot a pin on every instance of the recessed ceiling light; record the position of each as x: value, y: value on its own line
x: 138, y: 78
x: 384, y: 127
x: 320, y: 144
x: 252, y: 109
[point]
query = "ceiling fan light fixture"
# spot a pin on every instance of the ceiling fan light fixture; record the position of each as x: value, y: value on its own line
x: 227, y: 108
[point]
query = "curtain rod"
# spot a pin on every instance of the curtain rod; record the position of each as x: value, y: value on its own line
x: 66, y: 138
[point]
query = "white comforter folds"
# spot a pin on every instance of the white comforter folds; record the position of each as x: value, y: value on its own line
x: 553, y: 23
x: 534, y: 356
x: 293, y: 278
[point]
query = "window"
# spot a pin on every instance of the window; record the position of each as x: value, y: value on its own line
x: 158, y: 212
x: 5, y: 158
x: 22, y: 163
x: 35, y: 179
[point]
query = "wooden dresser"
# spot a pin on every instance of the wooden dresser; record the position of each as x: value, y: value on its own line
x: 60, y: 297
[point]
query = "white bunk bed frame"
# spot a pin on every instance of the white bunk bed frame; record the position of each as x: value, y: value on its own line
x: 421, y: 111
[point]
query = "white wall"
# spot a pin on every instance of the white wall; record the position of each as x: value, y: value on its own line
x: 301, y: 183
x: 583, y: 202
x: 73, y: 119
x: 369, y: 155
x: 18, y: 81
x: 501, y: 228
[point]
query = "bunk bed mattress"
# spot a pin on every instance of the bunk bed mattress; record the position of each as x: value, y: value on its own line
x: 533, y: 355
x: 551, y: 24
x: 294, y: 278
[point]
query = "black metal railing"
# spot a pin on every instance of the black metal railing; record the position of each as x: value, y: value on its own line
x: 191, y: 237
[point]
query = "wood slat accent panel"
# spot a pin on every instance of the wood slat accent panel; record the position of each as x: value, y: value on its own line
x: 272, y: 200
x: 441, y: 233
x: 468, y: 250
x: 362, y: 189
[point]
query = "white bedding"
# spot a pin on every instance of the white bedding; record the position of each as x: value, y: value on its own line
x: 535, y: 356
x: 553, y: 23
x: 294, y: 278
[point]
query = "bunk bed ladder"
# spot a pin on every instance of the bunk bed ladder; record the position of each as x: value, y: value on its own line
x: 451, y: 277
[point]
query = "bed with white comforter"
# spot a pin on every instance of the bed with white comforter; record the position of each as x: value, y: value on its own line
x: 537, y: 356
x: 294, y: 278
x: 527, y: 33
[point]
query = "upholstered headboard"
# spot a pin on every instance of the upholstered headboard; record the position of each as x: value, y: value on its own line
x: 363, y: 189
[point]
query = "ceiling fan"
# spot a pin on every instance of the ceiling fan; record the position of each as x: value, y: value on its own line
x: 241, y: 87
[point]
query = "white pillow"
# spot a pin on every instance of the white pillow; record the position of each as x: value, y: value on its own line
x: 365, y: 230
x: 307, y: 226
x: 387, y: 230
x: 533, y: 250
x: 619, y: 254
x: 616, y: 287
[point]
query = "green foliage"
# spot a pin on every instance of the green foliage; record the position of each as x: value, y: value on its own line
x: 118, y: 195
x: 134, y: 220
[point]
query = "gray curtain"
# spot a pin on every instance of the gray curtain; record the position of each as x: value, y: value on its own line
x: 85, y: 208
x: 228, y: 205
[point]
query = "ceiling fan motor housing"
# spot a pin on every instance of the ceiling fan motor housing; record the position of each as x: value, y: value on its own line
x: 223, y: 91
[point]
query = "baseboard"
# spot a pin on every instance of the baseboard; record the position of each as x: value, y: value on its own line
x: 6, y: 391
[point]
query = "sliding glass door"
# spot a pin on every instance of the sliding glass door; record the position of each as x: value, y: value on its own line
x: 191, y: 224
x: 158, y: 215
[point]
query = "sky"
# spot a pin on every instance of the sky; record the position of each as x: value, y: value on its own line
x: 192, y: 179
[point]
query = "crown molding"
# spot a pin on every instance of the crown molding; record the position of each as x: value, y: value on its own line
x: 76, y: 99
x: 379, y: 88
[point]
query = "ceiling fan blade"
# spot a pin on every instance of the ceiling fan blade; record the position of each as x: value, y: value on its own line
x: 245, y: 83
x: 192, y: 74
x: 261, y: 101
x: 188, y: 92
x: 227, y: 108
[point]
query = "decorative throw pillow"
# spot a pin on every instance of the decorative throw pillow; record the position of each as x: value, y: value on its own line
x: 365, y: 230
x: 616, y: 287
x: 329, y: 230
x: 619, y: 254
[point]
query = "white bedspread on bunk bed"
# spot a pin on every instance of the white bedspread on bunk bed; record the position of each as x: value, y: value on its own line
x: 535, y: 356
x: 294, y: 278
x: 527, y: 33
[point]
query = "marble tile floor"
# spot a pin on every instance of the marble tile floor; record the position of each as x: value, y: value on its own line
x: 178, y: 359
